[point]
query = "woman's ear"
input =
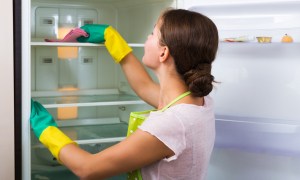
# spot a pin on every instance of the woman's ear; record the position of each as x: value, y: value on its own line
x: 164, y: 54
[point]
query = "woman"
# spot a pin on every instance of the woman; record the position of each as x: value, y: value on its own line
x: 174, y: 142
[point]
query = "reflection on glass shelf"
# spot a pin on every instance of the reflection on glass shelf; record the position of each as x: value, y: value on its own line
x: 42, y: 172
x: 49, y: 172
x: 44, y: 158
x: 44, y: 166
x: 91, y: 100
x: 91, y: 138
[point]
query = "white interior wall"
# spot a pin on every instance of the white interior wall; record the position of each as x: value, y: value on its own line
x: 87, y: 78
x: 6, y: 92
x: 134, y: 20
x: 137, y: 22
x: 257, y: 80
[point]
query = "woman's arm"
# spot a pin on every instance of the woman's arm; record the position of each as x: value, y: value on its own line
x: 138, y: 150
x: 118, y: 48
x: 139, y: 79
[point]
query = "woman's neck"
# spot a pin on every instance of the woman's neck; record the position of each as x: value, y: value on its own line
x: 170, y: 88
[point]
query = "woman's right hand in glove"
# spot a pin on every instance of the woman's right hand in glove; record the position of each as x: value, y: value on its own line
x: 114, y: 42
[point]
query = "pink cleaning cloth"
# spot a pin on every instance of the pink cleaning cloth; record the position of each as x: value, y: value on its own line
x: 71, y: 36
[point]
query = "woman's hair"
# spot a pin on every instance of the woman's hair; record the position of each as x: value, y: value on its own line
x: 192, y: 39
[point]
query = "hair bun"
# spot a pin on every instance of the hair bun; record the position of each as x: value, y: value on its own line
x: 199, y: 80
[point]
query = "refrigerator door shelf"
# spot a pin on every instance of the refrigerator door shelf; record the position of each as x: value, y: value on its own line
x: 279, y: 137
x: 92, y: 100
x: 249, y: 44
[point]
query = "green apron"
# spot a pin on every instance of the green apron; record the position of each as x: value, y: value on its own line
x: 135, y: 120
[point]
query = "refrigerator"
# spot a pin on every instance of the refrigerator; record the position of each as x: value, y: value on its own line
x: 257, y: 93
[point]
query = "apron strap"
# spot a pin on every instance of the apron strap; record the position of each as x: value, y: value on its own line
x: 176, y: 99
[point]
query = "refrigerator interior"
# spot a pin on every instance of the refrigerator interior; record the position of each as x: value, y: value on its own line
x: 79, y: 83
x: 257, y: 99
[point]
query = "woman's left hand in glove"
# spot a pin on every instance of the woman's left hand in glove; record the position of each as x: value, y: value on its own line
x: 46, y: 130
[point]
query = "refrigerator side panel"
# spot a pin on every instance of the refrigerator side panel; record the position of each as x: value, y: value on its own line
x: 26, y: 90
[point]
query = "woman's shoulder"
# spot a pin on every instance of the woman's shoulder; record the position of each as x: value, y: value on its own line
x: 183, y: 111
x: 188, y: 107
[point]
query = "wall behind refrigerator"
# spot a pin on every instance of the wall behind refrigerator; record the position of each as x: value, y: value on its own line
x: 6, y: 92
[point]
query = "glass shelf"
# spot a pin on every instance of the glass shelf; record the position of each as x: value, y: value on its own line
x: 75, y: 44
x: 92, y: 134
x: 259, y: 50
x: 254, y: 42
x: 88, y: 100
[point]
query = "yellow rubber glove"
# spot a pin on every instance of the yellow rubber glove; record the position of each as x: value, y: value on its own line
x: 114, y: 42
x: 45, y: 128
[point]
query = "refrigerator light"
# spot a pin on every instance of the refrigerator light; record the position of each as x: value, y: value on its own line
x: 64, y: 113
x: 63, y: 31
x: 68, y: 89
x: 67, y: 52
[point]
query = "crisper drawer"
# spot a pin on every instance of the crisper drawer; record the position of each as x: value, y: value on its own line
x: 258, y: 134
x: 255, y: 148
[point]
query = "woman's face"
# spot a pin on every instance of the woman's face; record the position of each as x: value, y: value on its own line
x: 152, y: 49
